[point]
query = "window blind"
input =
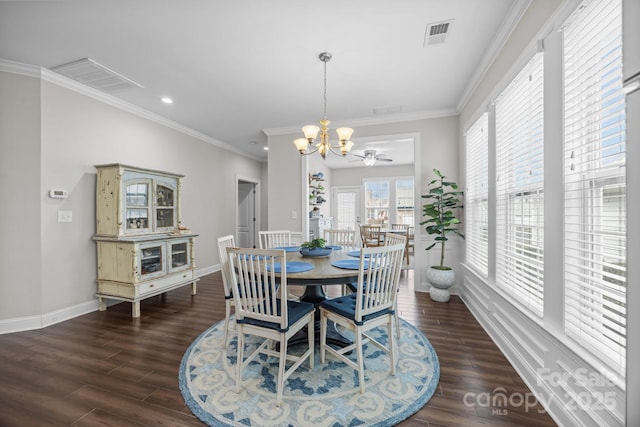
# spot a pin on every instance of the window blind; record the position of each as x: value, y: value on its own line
x: 477, y: 195
x: 594, y: 181
x: 520, y: 188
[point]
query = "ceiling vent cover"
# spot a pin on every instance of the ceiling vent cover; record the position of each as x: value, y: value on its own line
x: 437, y: 32
x: 89, y: 72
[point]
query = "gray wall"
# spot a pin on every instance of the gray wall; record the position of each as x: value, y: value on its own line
x: 437, y: 144
x: 20, y: 247
x: 59, y: 134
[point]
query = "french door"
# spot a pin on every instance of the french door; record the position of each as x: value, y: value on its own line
x: 345, y: 207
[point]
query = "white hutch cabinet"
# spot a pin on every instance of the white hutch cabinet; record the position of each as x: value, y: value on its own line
x: 143, y: 250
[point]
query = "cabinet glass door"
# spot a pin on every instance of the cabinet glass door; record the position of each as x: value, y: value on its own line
x: 165, y: 207
x: 179, y: 255
x: 151, y: 260
x: 137, y: 206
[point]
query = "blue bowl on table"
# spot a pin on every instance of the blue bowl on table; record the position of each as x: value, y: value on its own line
x: 315, y: 252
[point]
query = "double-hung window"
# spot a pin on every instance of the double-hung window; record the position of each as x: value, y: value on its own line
x: 477, y: 195
x: 594, y: 181
x: 389, y: 201
x: 520, y: 189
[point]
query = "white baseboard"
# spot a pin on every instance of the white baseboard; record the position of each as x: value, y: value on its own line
x: 46, y: 319
x: 39, y: 321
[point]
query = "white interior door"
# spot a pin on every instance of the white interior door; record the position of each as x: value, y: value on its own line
x: 345, y: 207
x: 246, y: 228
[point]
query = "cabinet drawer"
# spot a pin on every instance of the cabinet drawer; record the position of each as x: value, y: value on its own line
x: 155, y: 286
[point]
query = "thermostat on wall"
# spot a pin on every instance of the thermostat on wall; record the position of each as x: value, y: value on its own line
x: 58, y: 194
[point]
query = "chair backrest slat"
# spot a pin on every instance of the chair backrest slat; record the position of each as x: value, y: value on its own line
x: 344, y: 238
x: 258, y: 287
x: 394, y: 239
x: 274, y: 238
x: 378, y: 279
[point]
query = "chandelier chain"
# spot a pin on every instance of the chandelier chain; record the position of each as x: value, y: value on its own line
x: 324, y: 116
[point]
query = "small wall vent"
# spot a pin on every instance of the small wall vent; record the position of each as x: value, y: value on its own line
x: 437, y: 32
x: 89, y: 72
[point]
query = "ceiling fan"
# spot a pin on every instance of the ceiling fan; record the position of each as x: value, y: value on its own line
x: 370, y: 158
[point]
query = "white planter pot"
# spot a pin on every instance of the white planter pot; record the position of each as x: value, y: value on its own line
x: 441, y: 281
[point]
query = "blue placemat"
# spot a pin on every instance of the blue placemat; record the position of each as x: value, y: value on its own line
x: 334, y: 247
x: 292, y: 267
x: 349, y: 264
x: 289, y: 248
x: 357, y: 254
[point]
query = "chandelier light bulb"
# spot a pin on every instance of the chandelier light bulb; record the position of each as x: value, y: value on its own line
x: 310, y: 132
x: 344, y: 134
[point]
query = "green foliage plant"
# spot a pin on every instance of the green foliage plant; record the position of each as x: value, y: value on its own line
x: 313, y: 244
x: 441, y: 220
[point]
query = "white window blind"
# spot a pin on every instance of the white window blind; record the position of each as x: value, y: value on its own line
x: 519, y: 188
x: 477, y: 195
x: 594, y: 181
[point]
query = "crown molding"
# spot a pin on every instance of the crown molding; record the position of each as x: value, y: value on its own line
x: 371, y: 121
x: 67, y: 83
x: 19, y: 68
x: 510, y: 22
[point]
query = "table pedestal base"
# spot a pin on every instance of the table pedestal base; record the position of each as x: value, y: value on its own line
x: 315, y: 295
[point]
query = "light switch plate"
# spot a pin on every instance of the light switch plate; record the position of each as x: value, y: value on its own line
x: 65, y: 216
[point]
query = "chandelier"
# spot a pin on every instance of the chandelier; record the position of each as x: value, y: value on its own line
x: 311, y: 131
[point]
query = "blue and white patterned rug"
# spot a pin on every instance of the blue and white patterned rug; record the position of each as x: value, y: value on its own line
x: 328, y: 395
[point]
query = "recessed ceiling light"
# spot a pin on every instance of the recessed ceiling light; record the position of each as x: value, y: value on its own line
x: 266, y: 148
x: 167, y: 100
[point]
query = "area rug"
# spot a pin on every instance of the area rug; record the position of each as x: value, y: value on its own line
x: 327, y: 395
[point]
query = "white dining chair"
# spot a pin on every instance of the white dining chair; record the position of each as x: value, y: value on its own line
x: 396, y: 239
x: 371, y: 306
x: 262, y: 311
x: 347, y: 240
x: 274, y: 239
x: 225, y: 242
x: 344, y: 238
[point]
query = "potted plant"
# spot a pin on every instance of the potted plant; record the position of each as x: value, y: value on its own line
x: 315, y: 247
x: 441, y: 221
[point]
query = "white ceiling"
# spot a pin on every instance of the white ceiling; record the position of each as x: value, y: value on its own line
x: 239, y: 68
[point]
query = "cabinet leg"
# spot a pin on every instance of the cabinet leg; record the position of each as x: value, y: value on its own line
x: 193, y: 288
x: 135, y: 309
x: 102, y: 304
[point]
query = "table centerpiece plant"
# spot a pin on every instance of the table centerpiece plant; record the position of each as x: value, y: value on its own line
x: 315, y: 247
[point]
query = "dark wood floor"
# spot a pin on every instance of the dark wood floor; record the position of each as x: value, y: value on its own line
x: 105, y: 368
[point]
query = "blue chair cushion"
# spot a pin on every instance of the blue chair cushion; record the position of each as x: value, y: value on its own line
x: 296, y: 311
x: 346, y: 307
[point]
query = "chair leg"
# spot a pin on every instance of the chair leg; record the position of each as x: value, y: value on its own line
x: 323, y: 335
x: 281, y: 369
x: 397, y: 322
x: 226, y: 322
x: 239, y: 361
x: 310, y: 328
x: 360, y: 359
x: 392, y: 346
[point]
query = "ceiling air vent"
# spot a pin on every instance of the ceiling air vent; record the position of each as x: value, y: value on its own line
x: 89, y: 72
x: 437, y: 32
